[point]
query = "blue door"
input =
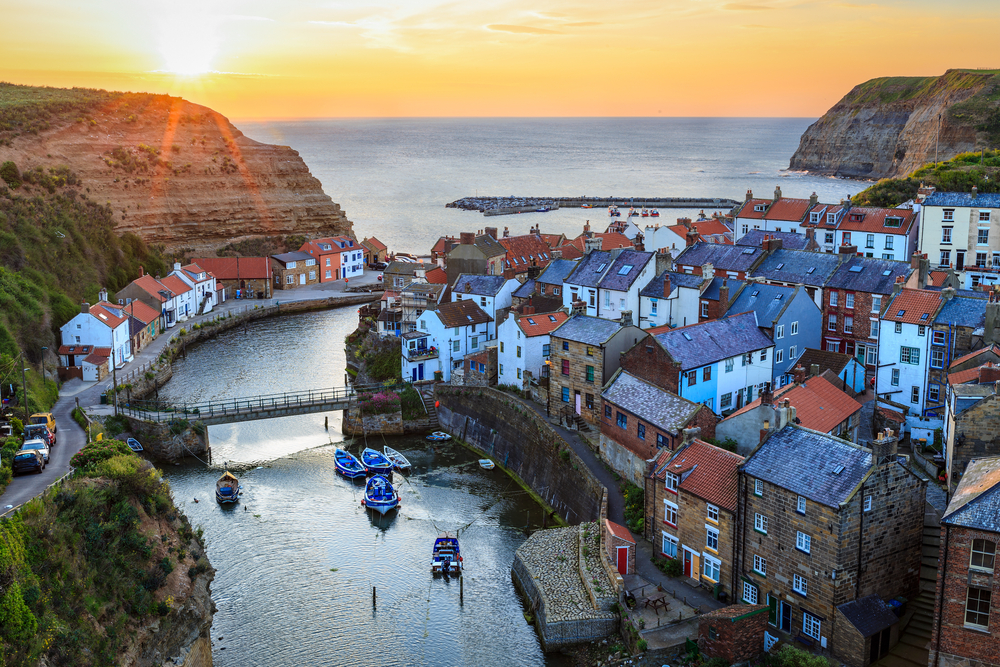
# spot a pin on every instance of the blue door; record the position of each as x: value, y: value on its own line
x: 420, y: 368
x: 414, y: 372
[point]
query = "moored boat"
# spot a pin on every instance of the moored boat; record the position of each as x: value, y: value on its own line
x: 446, y: 557
x: 379, y: 495
x: 347, y: 464
x: 487, y: 464
x: 227, y: 489
x: 438, y: 436
x: 654, y: 213
x: 375, y: 462
x: 398, y: 460
x: 134, y: 445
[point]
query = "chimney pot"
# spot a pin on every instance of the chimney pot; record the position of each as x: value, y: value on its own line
x: 800, y: 376
x: 975, y: 191
x: 813, y: 370
x: 85, y: 307
x: 142, y: 271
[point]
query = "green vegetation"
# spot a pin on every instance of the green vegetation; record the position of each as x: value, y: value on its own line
x: 635, y: 507
x: 86, y: 563
x: 411, y: 403
x: 34, y: 109
x: 958, y: 174
x: 728, y: 444
x: 668, y: 566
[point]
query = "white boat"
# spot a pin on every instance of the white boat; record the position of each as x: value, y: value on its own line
x: 438, y: 436
x: 398, y: 460
x: 487, y: 464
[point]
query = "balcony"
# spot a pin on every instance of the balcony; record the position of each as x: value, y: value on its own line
x: 422, y: 353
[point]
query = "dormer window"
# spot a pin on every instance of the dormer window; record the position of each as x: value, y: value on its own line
x: 893, y: 222
x: 857, y: 217
x: 831, y: 218
x: 814, y: 217
x: 759, y: 208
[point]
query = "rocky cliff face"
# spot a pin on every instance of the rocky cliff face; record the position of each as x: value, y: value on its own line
x: 181, y: 175
x: 889, y: 127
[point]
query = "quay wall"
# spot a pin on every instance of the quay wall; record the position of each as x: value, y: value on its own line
x: 515, y: 437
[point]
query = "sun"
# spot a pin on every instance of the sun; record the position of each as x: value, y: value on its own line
x: 188, y: 50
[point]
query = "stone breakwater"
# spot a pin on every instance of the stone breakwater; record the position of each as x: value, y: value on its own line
x: 501, y: 205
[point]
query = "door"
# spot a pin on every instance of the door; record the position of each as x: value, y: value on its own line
x: 785, y: 614
x: 413, y: 373
x: 687, y: 563
x: 577, y: 402
x: 621, y: 559
x: 420, y: 371
x: 772, y: 610
x: 959, y: 260
x: 302, y: 279
x: 695, y: 566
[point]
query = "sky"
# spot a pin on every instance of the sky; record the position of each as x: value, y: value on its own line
x: 340, y: 58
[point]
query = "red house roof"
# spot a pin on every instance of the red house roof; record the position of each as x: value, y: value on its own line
x: 711, y: 472
x: 150, y: 286
x: 819, y: 404
x: 619, y: 531
x: 175, y: 285
x: 105, y: 314
x: 525, y: 251
x: 914, y: 306
x: 873, y: 220
x: 229, y: 268
x: 436, y: 276
x: 961, y: 360
x: 609, y: 241
x: 98, y: 356
x: 141, y: 311
x: 375, y: 243
x: 539, y: 324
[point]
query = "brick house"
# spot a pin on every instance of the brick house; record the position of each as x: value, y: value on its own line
x: 965, y: 628
x: 479, y: 369
x: 691, y: 504
x: 620, y: 547
x: 734, y: 633
x: 550, y: 281
x: 585, y: 352
x: 641, y: 419
x: 375, y: 251
x: 294, y: 269
x: 825, y: 522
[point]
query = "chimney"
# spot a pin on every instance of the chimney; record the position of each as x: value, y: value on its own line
x: 534, y: 270
x: 506, y: 232
x: 586, y: 227
x: 579, y: 308
x: 800, y: 374
x: 591, y: 244
x: 948, y: 293
x: 846, y: 203
x: 555, y: 254
x: 420, y: 273
x: 924, y: 274
x: 177, y: 266
x: 992, y: 333
x: 975, y: 191
x: 666, y: 287
x: 813, y: 200
x: 749, y: 194
x: 142, y: 271
x: 689, y: 435
x: 785, y: 415
x: 664, y: 261
x: 707, y: 271
x: 848, y: 250
x: 724, y: 296
x: 102, y: 295
x: 766, y: 397
x: 533, y: 230
x: 770, y: 244
x: 468, y: 238
x: 528, y: 310
x: 467, y: 288
x: 491, y: 231
x: 897, y: 286
x: 813, y: 370
x: 777, y: 193
x: 626, y: 318
x: 685, y: 222
x: 84, y: 307
x: 691, y: 237
x: 915, y: 261
x: 884, y: 447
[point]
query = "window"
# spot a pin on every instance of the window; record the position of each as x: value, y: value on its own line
x: 590, y: 351
x: 590, y: 373
x: 946, y: 235
x: 803, y: 542
x: 555, y: 291
x: 712, y: 513
x: 706, y: 374
x: 758, y: 487
x: 909, y: 355
x: 933, y: 393
x: 661, y: 441
x: 565, y: 345
x: 607, y: 299
x: 849, y: 300
x: 868, y: 503
x: 899, y: 327
x: 749, y: 593
x: 870, y: 241
x: 729, y: 365
x: 848, y: 324
x: 565, y: 366
x: 977, y: 608
x: 828, y: 238
x: 981, y: 259
x: 518, y: 351
x: 760, y: 523
x: 800, y: 507
x: 810, y: 625
x: 518, y: 371
x: 888, y: 242
x: 669, y: 513
x: 711, y: 538
x: 474, y: 343
x: 888, y: 255
x: 746, y: 359
x: 791, y: 352
x: 760, y: 565
x: 641, y: 430
x: 712, y: 568
x: 312, y: 275
x: 704, y: 309
x: 945, y: 258
x: 779, y: 356
x: 983, y: 555
x: 937, y: 358
x: 289, y: 280
x: 652, y: 310
x: 456, y: 345
x: 692, y: 378
x: 895, y: 377
x: 831, y: 323
x: 763, y: 355
x: 328, y: 274
x: 847, y: 238
x: 669, y: 548
x: 873, y: 329
x: 937, y: 337
x: 726, y: 401
x: 671, y: 482
x: 795, y: 328
x: 983, y: 237
x: 501, y: 369
x: 834, y: 298
x: 799, y: 585
x: 779, y: 331
x: 876, y: 304
x: 565, y: 394
x: 607, y: 411
x: 984, y: 216
x: 622, y: 420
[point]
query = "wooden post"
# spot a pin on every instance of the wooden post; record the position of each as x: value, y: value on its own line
x: 326, y: 423
x: 461, y: 589
x: 373, y: 597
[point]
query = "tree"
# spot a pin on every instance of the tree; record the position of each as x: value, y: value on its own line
x: 10, y: 174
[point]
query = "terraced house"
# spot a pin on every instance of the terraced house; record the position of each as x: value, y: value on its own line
x: 779, y: 214
x: 962, y: 230
x: 904, y: 348
x: 958, y: 330
x: 727, y: 261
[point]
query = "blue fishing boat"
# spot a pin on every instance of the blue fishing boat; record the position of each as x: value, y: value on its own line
x: 227, y: 489
x: 347, y: 464
x: 134, y: 445
x: 379, y: 495
x: 438, y: 436
x: 446, y: 558
x: 376, y: 463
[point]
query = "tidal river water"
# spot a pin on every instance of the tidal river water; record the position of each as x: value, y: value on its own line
x: 296, y: 560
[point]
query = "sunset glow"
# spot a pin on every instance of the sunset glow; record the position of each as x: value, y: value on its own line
x: 306, y: 58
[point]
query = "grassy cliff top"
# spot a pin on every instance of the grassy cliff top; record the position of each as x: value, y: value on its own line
x: 33, y: 109
x: 886, y: 90
x: 958, y: 174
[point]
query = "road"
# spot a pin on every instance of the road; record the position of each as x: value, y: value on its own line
x: 70, y: 438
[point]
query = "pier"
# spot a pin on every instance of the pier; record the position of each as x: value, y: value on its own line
x: 510, y: 205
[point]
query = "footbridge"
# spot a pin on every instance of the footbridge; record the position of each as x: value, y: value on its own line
x: 249, y: 408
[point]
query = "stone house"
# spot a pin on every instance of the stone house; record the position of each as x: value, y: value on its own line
x: 959, y: 329
x: 620, y: 546
x: 442, y: 339
x: 826, y: 522
x: 246, y: 277
x: 398, y: 275
x: 734, y: 633
x: 479, y: 369
x: 904, y: 347
x: 480, y: 255
x: 728, y: 261
x: 641, y: 419
x: 143, y: 324
x: 151, y: 292
x: 294, y: 269
x: 524, y: 344
x: 965, y: 628
x: 691, y: 499
x: 956, y: 230
x: 866, y: 629
x: 788, y: 267
x: 492, y: 293
x: 585, y: 352
x: 374, y: 250
x: 972, y: 420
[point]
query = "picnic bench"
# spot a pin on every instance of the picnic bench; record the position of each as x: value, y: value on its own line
x: 657, y: 601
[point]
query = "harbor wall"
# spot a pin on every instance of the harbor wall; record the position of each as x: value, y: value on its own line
x: 515, y: 437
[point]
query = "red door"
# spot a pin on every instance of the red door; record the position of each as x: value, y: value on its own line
x: 621, y: 555
x: 687, y: 564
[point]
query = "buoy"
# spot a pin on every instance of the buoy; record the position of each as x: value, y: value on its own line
x: 362, y: 502
x: 196, y: 500
x: 437, y: 404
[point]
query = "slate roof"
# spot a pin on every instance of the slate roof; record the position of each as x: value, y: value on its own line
x: 982, y: 200
x: 804, y: 462
x: 489, y: 246
x: 798, y: 266
x: 590, y: 269
x: 226, y: 268
x: 407, y: 268
x: 790, y: 240
x: 668, y: 412
x: 768, y: 301
x: 294, y: 256
x: 468, y: 283
x: 917, y: 307
x: 707, y: 342
x: 712, y: 290
x: 461, y: 313
x: 654, y: 288
x: 540, y: 324
x: 526, y: 289
x: 963, y: 312
x: 834, y: 361
x: 994, y: 348
x: 556, y: 272
x: 876, y: 276
x: 976, y: 503
x: 614, y: 279
x: 722, y: 257
x: 588, y: 330
x: 869, y: 615
x: 709, y: 472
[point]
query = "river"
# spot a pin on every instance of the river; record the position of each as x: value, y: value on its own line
x: 296, y: 560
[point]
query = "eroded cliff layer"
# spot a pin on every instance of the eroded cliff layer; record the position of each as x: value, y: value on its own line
x: 177, y: 173
x: 889, y: 127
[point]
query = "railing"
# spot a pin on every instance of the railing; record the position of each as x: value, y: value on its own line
x: 421, y: 354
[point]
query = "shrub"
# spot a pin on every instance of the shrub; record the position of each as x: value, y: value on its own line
x: 635, y: 507
x: 380, y: 403
x: 789, y: 656
x: 642, y: 645
x: 10, y: 174
x: 669, y: 566
x: 728, y: 444
x: 411, y: 403
x: 94, y: 453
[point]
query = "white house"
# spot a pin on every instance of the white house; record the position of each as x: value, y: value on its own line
x: 352, y: 256
x: 492, y: 293
x: 904, y: 340
x: 670, y: 298
x: 523, y: 345
x: 885, y: 233
x: 103, y: 325
x: 202, y: 284
x: 780, y: 214
x: 180, y: 303
x: 619, y: 287
x: 582, y: 283
x: 442, y: 339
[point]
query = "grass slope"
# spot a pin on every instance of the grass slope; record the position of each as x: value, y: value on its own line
x: 956, y: 175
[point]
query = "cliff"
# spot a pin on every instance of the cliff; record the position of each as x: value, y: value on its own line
x: 174, y: 173
x: 889, y: 127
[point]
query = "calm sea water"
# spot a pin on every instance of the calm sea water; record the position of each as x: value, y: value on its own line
x: 393, y: 177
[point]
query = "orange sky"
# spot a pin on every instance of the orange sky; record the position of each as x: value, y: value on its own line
x: 306, y: 58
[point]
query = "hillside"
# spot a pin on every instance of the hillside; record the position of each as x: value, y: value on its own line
x: 889, y: 127
x: 958, y: 174
x: 174, y: 173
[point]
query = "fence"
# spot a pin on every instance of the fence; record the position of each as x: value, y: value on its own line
x: 17, y: 508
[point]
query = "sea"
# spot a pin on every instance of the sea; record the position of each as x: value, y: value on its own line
x: 393, y: 176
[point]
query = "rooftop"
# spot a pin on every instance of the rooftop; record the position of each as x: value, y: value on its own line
x: 294, y: 256
x: 461, y: 313
x: 867, y: 274
x: 913, y: 306
x: 540, y: 324
x: 468, y: 283
x: 707, y: 342
x: 590, y: 269
x: 880, y: 220
x: 976, y: 503
x: 964, y: 312
x: 588, y: 330
x: 525, y: 290
x: 791, y: 240
x: 557, y: 271
x: 992, y: 351
x: 489, y: 246
x: 140, y: 311
x: 654, y: 288
x: 984, y: 200
x: 625, y: 270
x: 768, y: 301
x: 152, y: 286
x: 722, y: 257
x: 834, y: 361
x: 233, y: 268
x: 709, y: 472
x: 175, y: 285
x: 870, y: 615
x: 524, y: 251
x: 659, y: 407
x: 798, y: 266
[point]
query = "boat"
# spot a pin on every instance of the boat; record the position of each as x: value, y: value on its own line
x: 586, y: 206
x: 438, y: 436
x: 375, y: 462
x: 446, y: 557
x: 227, y: 489
x: 347, y: 464
x: 645, y: 213
x: 398, y: 460
x: 654, y: 213
x: 487, y: 464
x: 379, y: 495
x: 134, y: 445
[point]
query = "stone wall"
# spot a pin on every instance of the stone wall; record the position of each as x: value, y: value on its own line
x: 385, y: 424
x: 976, y: 429
x: 734, y: 633
x: 521, y: 441
x: 649, y: 361
x: 161, y: 443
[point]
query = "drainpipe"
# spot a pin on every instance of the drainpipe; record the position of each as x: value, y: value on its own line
x: 861, y: 531
x: 940, y: 597
x: 741, y: 522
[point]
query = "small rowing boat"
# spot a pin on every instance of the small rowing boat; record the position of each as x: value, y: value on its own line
x: 487, y: 464
x: 438, y: 436
x: 446, y: 557
x: 398, y: 460
x: 375, y: 462
x: 227, y: 489
x: 347, y: 464
x: 379, y: 495
x: 134, y: 445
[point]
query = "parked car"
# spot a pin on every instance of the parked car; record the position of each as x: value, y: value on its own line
x: 38, y: 445
x: 43, y: 418
x: 42, y: 431
x: 379, y: 266
x: 30, y: 460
